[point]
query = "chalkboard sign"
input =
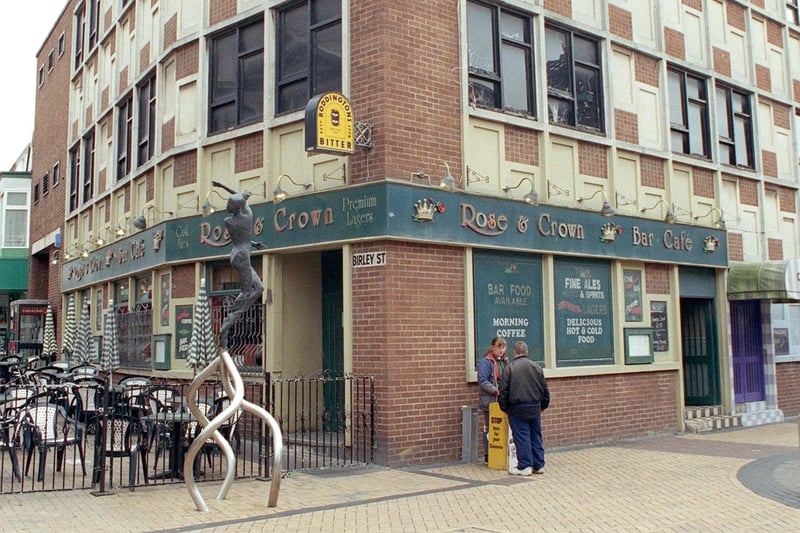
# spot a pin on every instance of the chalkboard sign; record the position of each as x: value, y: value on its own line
x: 508, y: 301
x: 183, y: 330
x: 584, y: 321
x: 658, y: 321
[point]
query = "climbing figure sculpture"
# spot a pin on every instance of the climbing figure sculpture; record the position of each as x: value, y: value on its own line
x: 239, y: 226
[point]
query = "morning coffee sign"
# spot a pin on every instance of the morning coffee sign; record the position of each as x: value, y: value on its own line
x: 330, y: 125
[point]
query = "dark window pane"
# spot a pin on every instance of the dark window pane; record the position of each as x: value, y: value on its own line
x: 560, y: 111
x: 251, y: 37
x: 294, y: 53
x: 223, y: 117
x: 723, y: 114
x: 515, y: 80
x: 675, y: 85
x: 328, y: 59
x: 695, y: 89
x: 587, y: 97
x: 252, y: 88
x: 727, y: 154
x: 481, y: 38
x: 322, y: 10
x: 585, y: 50
x: 482, y: 93
x: 678, y: 141
x: 558, y: 63
x: 223, y: 84
x: 293, y: 96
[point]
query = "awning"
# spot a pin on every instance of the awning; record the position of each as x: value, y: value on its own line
x: 770, y: 280
x: 13, y: 274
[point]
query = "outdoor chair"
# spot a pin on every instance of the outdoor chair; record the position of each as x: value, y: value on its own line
x: 9, y: 426
x: 92, y: 394
x: 86, y: 370
x: 45, y: 424
x: 120, y: 436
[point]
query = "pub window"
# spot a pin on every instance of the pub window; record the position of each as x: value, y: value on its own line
x: 734, y: 127
x: 688, y: 113
x: 309, y: 52
x: 574, y: 80
x: 236, y: 85
x: 500, y: 58
x: 124, y: 135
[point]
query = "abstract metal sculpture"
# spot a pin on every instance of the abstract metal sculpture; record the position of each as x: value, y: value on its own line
x: 239, y: 226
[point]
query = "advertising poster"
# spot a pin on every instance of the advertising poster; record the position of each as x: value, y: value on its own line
x: 584, y: 320
x: 633, y: 295
x: 183, y: 330
x: 508, y: 301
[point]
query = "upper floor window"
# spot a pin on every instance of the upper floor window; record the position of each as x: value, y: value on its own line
x: 236, y: 87
x: 45, y: 185
x: 79, y: 28
x: 500, y: 58
x: 147, y: 120
x: 74, y: 176
x: 574, y: 80
x: 734, y: 127
x: 50, y: 60
x: 792, y: 11
x: 35, y: 193
x: 88, y: 167
x: 15, y: 220
x: 124, y: 136
x: 40, y: 77
x: 61, y: 44
x: 56, y: 174
x: 309, y: 52
x: 94, y: 22
x: 688, y: 113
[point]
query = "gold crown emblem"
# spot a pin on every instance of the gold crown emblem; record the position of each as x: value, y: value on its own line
x: 710, y: 244
x: 425, y: 209
x: 609, y: 231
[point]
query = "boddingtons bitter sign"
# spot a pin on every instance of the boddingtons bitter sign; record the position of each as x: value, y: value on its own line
x: 329, y: 124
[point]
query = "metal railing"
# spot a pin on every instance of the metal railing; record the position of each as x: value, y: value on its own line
x: 136, y: 436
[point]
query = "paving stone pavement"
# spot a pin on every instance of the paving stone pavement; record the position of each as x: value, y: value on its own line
x: 745, y: 479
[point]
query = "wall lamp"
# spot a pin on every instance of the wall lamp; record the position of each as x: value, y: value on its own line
x: 474, y: 177
x: 122, y: 223
x: 279, y: 194
x: 448, y: 182
x: 55, y: 257
x: 532, y: 197
x: 100, y: 241
x: 70, y: 252
x: 558, y: 190
x: 719, y: 223
x: 606, y: 210
x: 84, y: 248
x: 140, y: 222
x: 621, y: 199
x: 669, y: 218
x: 208, y: 207
x: 330, y: 175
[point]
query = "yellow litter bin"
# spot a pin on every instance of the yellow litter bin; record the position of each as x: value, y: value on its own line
x: 498, y: 438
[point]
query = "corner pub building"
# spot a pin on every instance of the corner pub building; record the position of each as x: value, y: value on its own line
x: 579, y: 175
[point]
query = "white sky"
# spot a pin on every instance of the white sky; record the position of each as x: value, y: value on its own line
x: 24, y: 26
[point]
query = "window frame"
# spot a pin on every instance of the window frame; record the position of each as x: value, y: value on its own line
x: 61, y: 44
x: 124, y: 136
x: 572, y: 94
x: 732, y: 141
x: 79, y: 27
x: 40, y: 76
x: 45, y: 185
x: 684, y: 128
x: 793, y: 12
x: 146, y: 137
x: 56, y: 173
x: 87, y: 182
x: 495, y: 78
x: 236, y: 97
x: 6, y: 209
x: 306, y: 76
x: 74, y: 175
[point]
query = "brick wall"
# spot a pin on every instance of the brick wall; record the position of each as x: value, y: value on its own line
x: 703, y: 182
x: 409, y: 322
x: 405, y: 79
x: 788, y: 376
x: 593, y: 160
x: 591, y: 409
x: 652, y: 172
x: 735, y: 247
x: 620, y: 22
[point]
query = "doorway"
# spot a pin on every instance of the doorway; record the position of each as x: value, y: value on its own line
x: 699, y: 352
x: 748, y: 364
x: 332, y: 337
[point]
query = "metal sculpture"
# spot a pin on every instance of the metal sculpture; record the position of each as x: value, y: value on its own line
x: 239, y: 227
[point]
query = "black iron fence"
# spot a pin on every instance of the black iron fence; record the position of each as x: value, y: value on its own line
x: 78, y: 435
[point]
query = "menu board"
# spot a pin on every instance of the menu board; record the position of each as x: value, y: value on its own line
x: 658, y: 321
x: 508, y: 301
x: 584, y: 320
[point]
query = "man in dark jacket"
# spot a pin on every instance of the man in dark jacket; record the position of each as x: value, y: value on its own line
x: 523, y: 396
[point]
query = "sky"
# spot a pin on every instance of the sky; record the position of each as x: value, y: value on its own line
x: 23, y: 28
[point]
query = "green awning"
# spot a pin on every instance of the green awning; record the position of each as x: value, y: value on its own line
x: 13, y: 274
x: 770, y: 280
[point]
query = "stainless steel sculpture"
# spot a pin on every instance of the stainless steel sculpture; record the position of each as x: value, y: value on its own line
x: 239, y: 226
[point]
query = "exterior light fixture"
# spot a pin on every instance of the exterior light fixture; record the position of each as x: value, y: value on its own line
x: 208, y: 207
x: 719, y: 223
x: 532, y: 197
x: 279, y: 194
x: 122, y: 223
x: 669, y: 218
x: 448, y: 182
x: 420, y: 175
x: 140, y: 222
x: 55, y: 257
x: 606, y: 210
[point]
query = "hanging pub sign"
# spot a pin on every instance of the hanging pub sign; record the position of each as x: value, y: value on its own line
x: 329, y: 124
